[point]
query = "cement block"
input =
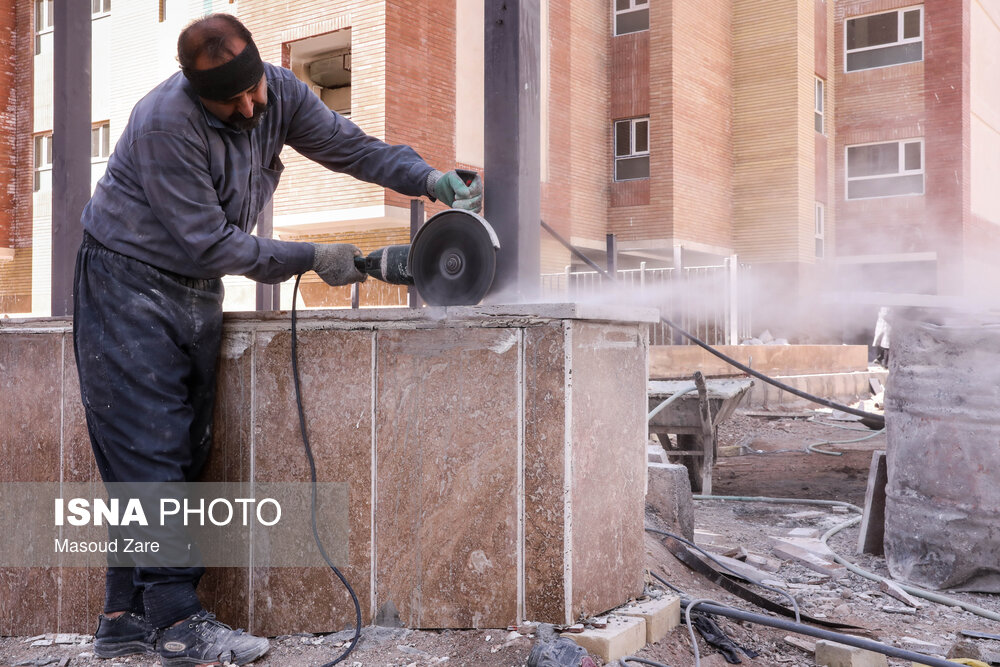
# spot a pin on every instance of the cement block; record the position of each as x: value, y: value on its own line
x: 661, y: 616
x: 624, y: 636
x: 669, y: 495
x: 832, y: 654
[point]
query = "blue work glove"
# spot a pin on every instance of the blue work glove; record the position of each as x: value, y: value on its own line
x: 334, y: 262
x: 457, y: 189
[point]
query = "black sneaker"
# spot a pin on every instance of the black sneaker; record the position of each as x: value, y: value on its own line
x: 201, y: 640
x: 125, y: 635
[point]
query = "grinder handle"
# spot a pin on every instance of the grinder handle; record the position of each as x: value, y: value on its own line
x: 467, y: 175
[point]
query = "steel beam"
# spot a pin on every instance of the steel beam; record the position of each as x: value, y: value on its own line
x: 513, y: 145
x: 70, y: 143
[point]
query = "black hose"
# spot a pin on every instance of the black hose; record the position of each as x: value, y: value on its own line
x: 312, y: 477
x: 849, y: 640
x: 631, y: 658
x: 876, y: 419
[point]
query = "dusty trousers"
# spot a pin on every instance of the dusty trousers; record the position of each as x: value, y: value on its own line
x: 146, y: 344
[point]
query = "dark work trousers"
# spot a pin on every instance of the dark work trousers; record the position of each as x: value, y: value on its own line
x: 146, y: 344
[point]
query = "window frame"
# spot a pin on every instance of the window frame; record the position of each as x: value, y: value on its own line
x: 103, y: 130
x: 634, y: 7
x: 103, y: 10
x: 900, y: 16
x: 819, y: 221
x: 902, y: 170
x: 39, y: 167
x: 48, y: 9
x: 633, y: 153
x: 819, y: 106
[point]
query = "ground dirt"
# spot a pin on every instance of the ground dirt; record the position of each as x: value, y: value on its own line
x: 774, y: 464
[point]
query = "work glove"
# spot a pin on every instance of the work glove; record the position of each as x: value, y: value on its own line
x: 334, y: 262
x: 457, y: 189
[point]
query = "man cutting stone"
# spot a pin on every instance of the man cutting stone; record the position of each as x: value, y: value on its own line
x: 174, y: 213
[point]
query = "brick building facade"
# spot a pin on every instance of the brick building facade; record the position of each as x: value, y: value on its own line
x: 692, y: 131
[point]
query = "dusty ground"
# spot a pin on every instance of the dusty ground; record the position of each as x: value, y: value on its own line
x: 782, y: 469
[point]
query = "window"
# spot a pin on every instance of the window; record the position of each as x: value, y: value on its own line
x: 819, y: 105
x: 631, y: 16
x: 885, y: 170
x: 100, y: 7
x: 100, y: 141
x: 631, y: 149
x: 43, y: 22
x: 820, y: 230
x: 324, y: 63
x: 881, y: 40
x: 43, y: 158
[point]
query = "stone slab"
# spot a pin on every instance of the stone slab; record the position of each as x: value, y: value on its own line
x: 624, y: 635
x: 607, y: 495
x: 832, y: 654
x: 545, y: 464
x: 336, y: 377
x: 871, y: 536
x: 669, y: 495
x: 446, y: 515
x: 681, y: 361
x: 661, y: 616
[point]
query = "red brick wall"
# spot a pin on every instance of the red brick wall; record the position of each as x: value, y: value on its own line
x: 702, y: 109
x: 8, y: 119
x: 16, y: 165
x: 821, y: 35
x: 420, y: 82
x: 946, y: 146
x: 884, y: 104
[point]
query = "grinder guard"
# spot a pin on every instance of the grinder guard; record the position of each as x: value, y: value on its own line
x: 453, y: 258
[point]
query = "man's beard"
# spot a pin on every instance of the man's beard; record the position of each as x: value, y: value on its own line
x: 242, y: 123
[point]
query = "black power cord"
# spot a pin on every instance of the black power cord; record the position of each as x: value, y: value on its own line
x: 312, y: 477
x: 878, y: 421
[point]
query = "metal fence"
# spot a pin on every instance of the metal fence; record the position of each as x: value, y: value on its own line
x: 707, y: 301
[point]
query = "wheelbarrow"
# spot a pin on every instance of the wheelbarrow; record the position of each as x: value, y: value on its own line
x: 692, y: 410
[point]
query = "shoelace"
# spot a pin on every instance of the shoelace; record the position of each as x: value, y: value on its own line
x: 209, y: 617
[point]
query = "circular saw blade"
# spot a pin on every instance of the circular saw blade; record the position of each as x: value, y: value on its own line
x: 453, y: 258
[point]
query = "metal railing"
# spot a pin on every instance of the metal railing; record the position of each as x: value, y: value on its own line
x: 706, y: 300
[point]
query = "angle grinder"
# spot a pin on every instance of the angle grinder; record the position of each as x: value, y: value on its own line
x: 451, y: 260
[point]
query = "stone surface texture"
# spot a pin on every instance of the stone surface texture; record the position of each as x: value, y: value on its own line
x: 494, y: 461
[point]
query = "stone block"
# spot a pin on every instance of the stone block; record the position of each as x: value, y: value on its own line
x: 661, y: 616
x: 669, y: 495
x: 624, y: 636
x: 832, y: 654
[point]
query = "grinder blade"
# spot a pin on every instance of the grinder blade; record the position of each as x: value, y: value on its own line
x: 453, y: 258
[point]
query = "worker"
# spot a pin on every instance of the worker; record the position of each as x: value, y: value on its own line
x: 195, y: 165
x: 881, y: 339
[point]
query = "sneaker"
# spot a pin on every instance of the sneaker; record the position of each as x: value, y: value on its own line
x: 125, y: 635
x: 201, y: 640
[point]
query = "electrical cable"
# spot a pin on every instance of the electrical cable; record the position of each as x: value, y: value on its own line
x: 812, y: 447
x: 631, y: 658
x: 795, y: 604
x: 912, y: 590
x: 799, y: 628
x: 687, y: 619
x: 667, y: 583
x: 312, y: 477
x: 871, y: 416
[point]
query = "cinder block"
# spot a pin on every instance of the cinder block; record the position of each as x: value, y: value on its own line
x: 669, y: 494
x: 661, y: 616
x: 624, y: 636
x: 832, y: 654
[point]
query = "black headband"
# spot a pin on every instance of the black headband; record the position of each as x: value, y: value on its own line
x: 228, y: 79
